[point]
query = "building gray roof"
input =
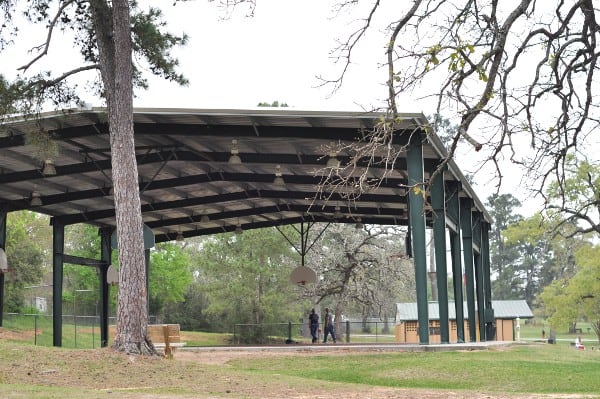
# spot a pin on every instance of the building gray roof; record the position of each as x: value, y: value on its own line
x: 503, y: 309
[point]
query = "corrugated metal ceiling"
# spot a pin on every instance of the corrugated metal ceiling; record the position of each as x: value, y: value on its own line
x: 185, y: 174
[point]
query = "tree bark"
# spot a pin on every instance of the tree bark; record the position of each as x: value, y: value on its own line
x: 114, y: 45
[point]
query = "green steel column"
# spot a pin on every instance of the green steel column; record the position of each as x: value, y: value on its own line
x: 453, y: 207
x: 414, y: 159
x: 466, y: 228
x: 480, y: 299
x: 58, y: 245
x: 105, y: 256
x: 457, y: 282
x: 479, y: 289
x: 438, y: 203
x: 3, y: 215
x: 487, y: 286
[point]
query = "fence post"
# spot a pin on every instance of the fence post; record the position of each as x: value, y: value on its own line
x: 347, y: 331
x: 290, y: 331
x: 35, y: 329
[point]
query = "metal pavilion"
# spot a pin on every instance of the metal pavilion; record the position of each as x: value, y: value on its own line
x: 212, y: 171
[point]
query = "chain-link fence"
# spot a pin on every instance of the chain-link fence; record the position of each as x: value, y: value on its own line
x: 280, y: 333
x: 84, y: 331
x: 77, y: 331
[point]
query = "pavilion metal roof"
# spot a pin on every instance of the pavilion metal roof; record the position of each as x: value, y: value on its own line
x: 184, y: 173
x: 503, y: 309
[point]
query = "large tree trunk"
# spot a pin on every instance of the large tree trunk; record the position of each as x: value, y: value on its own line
x: 114, y: 44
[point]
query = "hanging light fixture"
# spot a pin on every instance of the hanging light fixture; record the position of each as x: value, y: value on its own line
x: 234, y: 158
x: 36, y: 199
x: 333, y: 162
x: 278, y: 181
x: 359, y: 224
x: 49, y: 168
x: 112, y: 275
x: 337, y: 213
x: 3, y: 261
x: 238, y: 228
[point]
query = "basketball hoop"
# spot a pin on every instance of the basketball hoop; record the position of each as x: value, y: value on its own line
x: 303, y: 275
x: 112, y: 275
x: 3, y: 261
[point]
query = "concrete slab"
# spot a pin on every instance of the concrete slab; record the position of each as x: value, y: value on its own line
x: 469, y: 346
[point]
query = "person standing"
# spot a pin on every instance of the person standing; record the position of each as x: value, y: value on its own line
x: 578, y: 343
x: 313, y: 323
x: 328, y: 326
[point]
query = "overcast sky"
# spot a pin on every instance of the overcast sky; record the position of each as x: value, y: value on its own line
x: 275, y: 55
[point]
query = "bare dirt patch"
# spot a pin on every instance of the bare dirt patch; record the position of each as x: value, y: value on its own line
x: 11, y: 335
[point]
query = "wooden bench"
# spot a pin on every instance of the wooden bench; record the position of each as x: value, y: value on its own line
x: 157, y: 333
x: 166, y: 337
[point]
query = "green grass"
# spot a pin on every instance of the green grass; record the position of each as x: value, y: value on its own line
x: 532, y: 332
x: 523, y: 369
x: 81, y: 336
x: 197, y: 338
x: 38, y: 331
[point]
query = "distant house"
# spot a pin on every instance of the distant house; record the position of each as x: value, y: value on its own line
x: 505, y: 314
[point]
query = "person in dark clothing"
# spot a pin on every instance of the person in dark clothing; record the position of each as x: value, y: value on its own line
x: 328, y: 326
x: 313, y: 323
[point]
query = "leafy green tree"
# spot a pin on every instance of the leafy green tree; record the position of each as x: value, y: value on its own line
x: 561, y: 260
x: 191, y: 312
x: 24, y: 257
x: 503, y: 255
x: 275, y: 104
x: 577, y: 196
x: 569, y: 299
x: 571, y: 220
x: 531, y: 239
x: 247, y: 280
x: 170, y: 276
x: 81, y: 240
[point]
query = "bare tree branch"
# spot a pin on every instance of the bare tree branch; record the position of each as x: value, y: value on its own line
x: 46, y: 44
x: 522, y: 83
